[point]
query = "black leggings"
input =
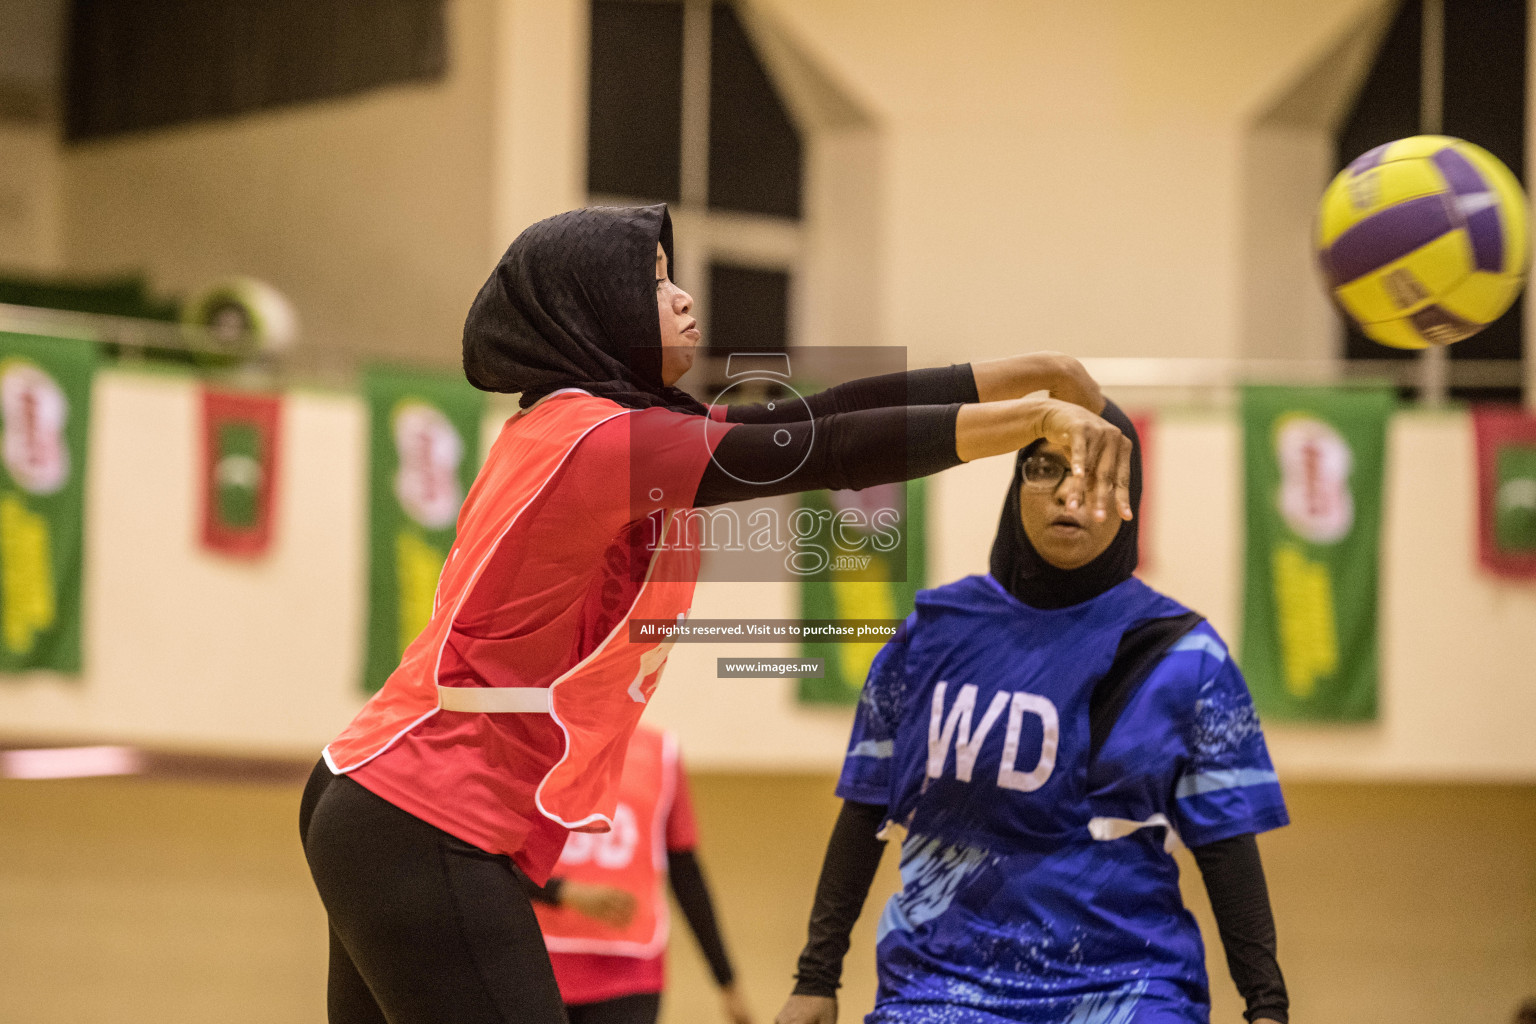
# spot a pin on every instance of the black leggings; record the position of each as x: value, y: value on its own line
x: 425, y: 928
x: 636, y: 1009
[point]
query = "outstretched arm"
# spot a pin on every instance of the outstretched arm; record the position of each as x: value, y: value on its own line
x: 938, y: 385
x: 998, y: 380
x: 880, y: 446
x: 991, y: 380
x: 853, y: 856
x: 1234, y: 879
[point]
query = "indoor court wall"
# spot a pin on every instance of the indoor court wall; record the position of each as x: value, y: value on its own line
x: 265, y: 657
x: 371, y: 213
x: 1045, y: 175
x: 29, y: 198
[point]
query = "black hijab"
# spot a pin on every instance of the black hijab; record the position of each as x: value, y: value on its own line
x: 572, y: 304
x: 1030, y: 578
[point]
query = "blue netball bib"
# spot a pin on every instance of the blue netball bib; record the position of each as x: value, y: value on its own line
x: 1037, y: 886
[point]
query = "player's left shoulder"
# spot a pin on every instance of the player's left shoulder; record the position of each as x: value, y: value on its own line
x: 1204, y: 644
x: 1194, y: 664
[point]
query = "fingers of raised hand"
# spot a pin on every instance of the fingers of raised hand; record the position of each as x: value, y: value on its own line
x: 1075, y: 438
x: 1106, y: 474
x: 1123, y: 478
x: 1099, y: 442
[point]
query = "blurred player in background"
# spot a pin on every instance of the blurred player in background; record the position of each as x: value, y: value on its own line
x: 1048, y: 734
x: 504, y: 727
x: 604, y: 911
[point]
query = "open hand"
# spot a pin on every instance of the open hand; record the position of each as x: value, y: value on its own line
x: 603, y: 903
x: 1099, y: 453
x: 808, y: 1010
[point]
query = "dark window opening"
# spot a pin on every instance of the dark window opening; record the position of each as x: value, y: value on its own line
x: 135, y: 65
x: 634, y: 110
x: 1484, y: 103
x: 748, y: 309
x: 754, y: 149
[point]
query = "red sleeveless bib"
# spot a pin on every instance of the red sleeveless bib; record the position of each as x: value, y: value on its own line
x: 596, y: 702
x: 633, y: 857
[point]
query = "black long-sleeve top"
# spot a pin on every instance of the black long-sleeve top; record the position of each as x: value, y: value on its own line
x: 1234, y: 881
x: 877, y: 430
x: 1233, y: 874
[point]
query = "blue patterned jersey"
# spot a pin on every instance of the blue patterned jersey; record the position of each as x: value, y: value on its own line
x: 1037, y: 886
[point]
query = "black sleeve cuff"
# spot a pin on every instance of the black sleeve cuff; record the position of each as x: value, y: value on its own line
x: 692, y: 893
x: 838, y: 451
x: 1234, y: 880
x: 853, y: 857
x: 931, y: 439
x: 942, y: 385
x: 938, y: 385
x: 547, y: 894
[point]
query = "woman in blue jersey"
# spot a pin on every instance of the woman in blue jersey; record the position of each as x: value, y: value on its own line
x: 1048, y: 734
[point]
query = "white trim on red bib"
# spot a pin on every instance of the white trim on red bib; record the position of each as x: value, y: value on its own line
x: 528, y: 700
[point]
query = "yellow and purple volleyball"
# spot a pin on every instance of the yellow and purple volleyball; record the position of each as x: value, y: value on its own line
x: 1423, y: 241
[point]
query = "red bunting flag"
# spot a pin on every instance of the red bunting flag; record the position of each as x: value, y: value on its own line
x: 1144, y: 422
x: 1506, y: 491
x: 241, y: 436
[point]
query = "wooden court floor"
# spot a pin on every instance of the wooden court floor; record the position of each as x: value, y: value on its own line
x: 132, y: 900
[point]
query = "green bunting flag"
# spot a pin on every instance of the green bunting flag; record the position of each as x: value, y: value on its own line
x: 45, y: 410
x: 1314, y: 461
x: 424, y: 432
x: 871, y: 561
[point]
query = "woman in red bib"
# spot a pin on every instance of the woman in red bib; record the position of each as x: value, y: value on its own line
x: 505, y: 726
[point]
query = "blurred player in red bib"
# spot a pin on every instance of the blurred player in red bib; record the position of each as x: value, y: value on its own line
x: 604, y: 912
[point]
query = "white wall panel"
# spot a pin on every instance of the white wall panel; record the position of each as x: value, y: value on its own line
x: 188, y: 649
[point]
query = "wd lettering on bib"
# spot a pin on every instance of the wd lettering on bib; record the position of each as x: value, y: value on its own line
x: 956, y: 728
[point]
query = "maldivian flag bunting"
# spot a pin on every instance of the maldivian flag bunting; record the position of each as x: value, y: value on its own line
x: 242, y: 437
x: 424, y: 432
x: 867, y: 561
x: 1506, y: 491
x: 1314, y: 461
x: 45, y: 411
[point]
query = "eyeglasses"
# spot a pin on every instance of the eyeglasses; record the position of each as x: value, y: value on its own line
x: 1045, y: 472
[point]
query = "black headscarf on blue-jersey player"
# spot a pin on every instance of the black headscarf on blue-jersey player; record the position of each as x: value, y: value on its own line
x: 1030, y: 578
